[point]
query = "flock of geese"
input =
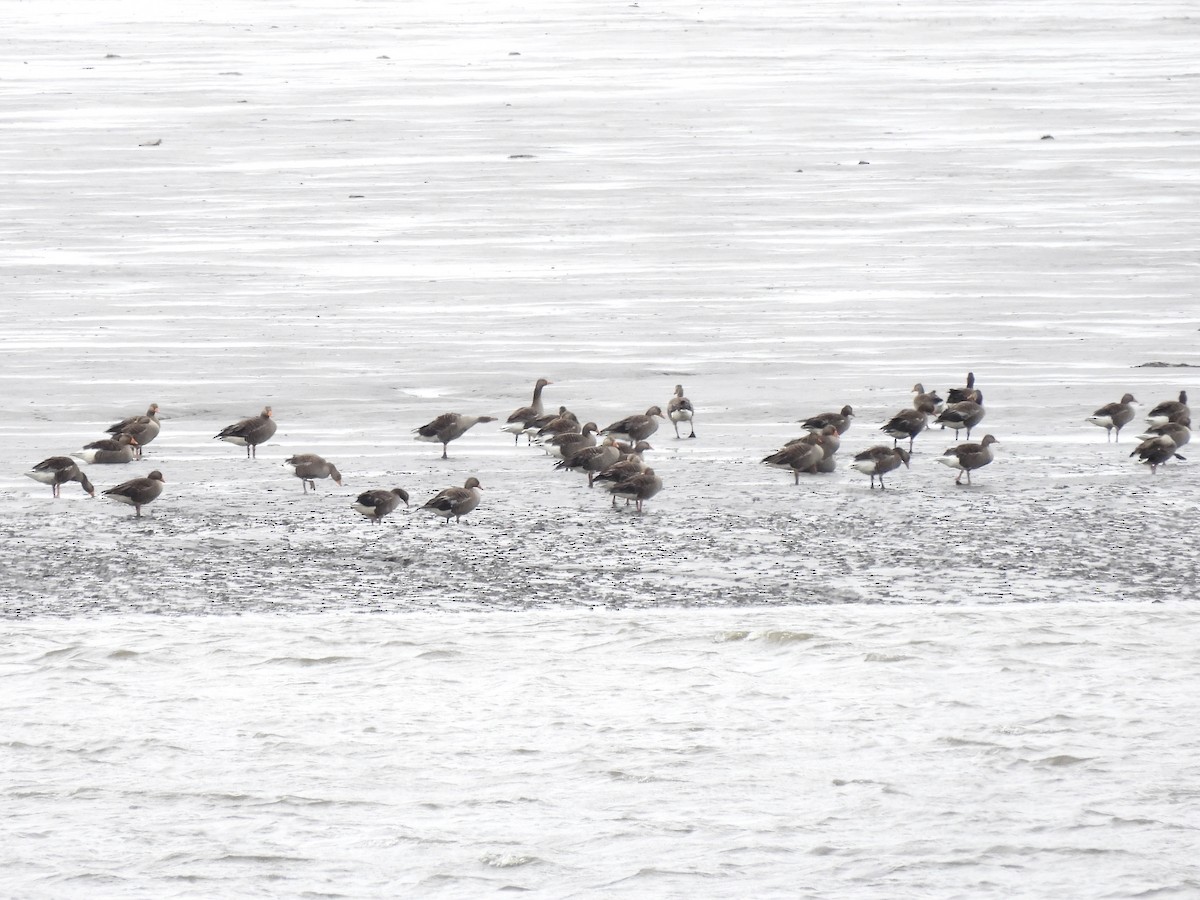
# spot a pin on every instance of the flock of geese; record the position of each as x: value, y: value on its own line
x: 613, y: 455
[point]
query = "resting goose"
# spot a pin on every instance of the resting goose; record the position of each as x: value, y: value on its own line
x: 308, y: 467
x: 829, y: 441
x: 137, y: 492
x: 907, y: 423
x: 636, y: 428
x: 964, y: 414
x: 1170, y: 410
x: 564, y: 422
x: 626, y: 467
x: 965, y: 394
x: 680, y: 409
x: 456, y: 502
x: 928, y: 403
x: 144, y: 428
x: 1157, y: 450
x: 518, y: 421
x: 448, y: 427
x: 639, y: 488
x: 562, y: 446
x: 839, y: 420
x: 377, y: 504
x: 799, y: 456
x: 878, y: 461
x: 1113, y: 415
x: 109, y: 451
x: 57, y: 471
x: 592, y: 460
x: 249, y: 433
x: 968, y: 457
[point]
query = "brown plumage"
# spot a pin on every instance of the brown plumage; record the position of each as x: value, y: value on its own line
x: 249, y: 433
x: 906, y: 424
x: 964, y: 394
x: 109, y: 451
x: 968, y: 457
x: 1113, y: 415
x: 638, y: 427
x: 592, y: 460
x: 378, y: 503
x: 456, y: 502
x: 680, y: 409
x: 308, y: 467
x: 137, y: 492
x: 57, y: 471
x: 518, y: 420
x: 798, y: 456
x: 639, y: 488
x: 928, y: 403
x: 1155, y: 451
x: 964, y: 414
x: 448, y: 427
x: 1170, y: 410
x: 878, y: 461
x: 839, y: 420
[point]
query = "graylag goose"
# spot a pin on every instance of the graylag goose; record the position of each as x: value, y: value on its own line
x: 143, y: 428
x: 905, y: 425
x: 626, y: 467
x: 1180, y: 432
x: 799, y: 456
x: 964, y: 394
x: 517, y: 423
x: 636, y: 428
x: 878, y: 461
x: 57, y: 471
x: 1170, y: 410
x: 829, y: 441
x: 137, y: 492
x: 109, y: 451
x: 308, y: 467
x: 1113, y: 415
x: 561, y: 446
x: 563, y: 422
x: 839, y: 420
x: 964, y: 414
x: 378, y: 503
x: 968, y: 457
x: 448, y: 427
x: 1157, y: 450
x: 639, y: 488
x: 928, y: 403
x: 680, y: 409
x: 592, y: 460
x: 249, y: 433
x: 456, y: 502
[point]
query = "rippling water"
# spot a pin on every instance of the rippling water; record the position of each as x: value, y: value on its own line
x: 1046, y: 750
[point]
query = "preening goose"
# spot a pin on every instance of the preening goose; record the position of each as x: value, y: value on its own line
x: 57, y: 471
x: 878, y: 461
x: 109, y: 451
x: 378, y: 503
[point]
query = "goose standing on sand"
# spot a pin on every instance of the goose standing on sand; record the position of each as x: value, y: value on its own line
x: 592, y: 460
x: 377, y: 504
x: 839, y: 420
x: 137, y: 492
x: 968, y: 457
x: 928, y: 403
x: 561, y: 446
x: 965, y: 394
x: 143, y: 428
x: 109, y: 451
x: 1180, y: 432
x: 799, y: 456
x: 57, y: 471
x: 1170, y: 410
x: 548, y: 426
x: 829, y: 441
x: 680, y: 409
x: 308, y: 467
x: 907, y: 423
x: 1154, y: 451
x: 456, y: 502
x: 448, y: 427
x: 878, y: 461
x: 1113, y: 415
x: 629, y: 465
x: 249, y: 433
x: 639, y: 488
x: 636, y: 428
x: 964, y: 414
x: 517, y: 423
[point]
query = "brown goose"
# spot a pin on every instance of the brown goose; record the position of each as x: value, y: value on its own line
x: 839, y: 420
x: 144, y: 428
x: 965, y: 394
x: 680, y: 409
x: 137, y: 492
x: 562, y: 422
x: 829, y: 441
x: 592, y: 460
x: 456, y: 502
x: 878, y: 461
x: 518, y: 421
x: 639, y: 488
x: 964, y: 414
x: 968, y: 457
x: 1157, y: 450
x: 907, y: 423
x: 562, y: 446
x: 109, y: 451
x: 57, y: 471
x: 800, y: 456
x: 1179, y: 432
x: 636, y: 428
x: 448, y: 427
x: 377, y: 504
x: 308, y: 467
x: 1113, y: 415
x: 626, y: 467
x: 249, y: 433
x: 928, y: 403
x: 1170, y: 410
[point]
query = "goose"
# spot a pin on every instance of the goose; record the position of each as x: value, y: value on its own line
x: 964, y: 414
x: 518, y: 421
x: 799, y: 456
x: 249, y: 433
x: 639, y: 488
x: 378, y: 503
x: 592, y: 460
x: 1113, y: 415
x: 561, y: 446
x: 907, y: 423
x: 638, y: 427
x: 109, y: 451
x: 626, y: 467
x: 1179, y: 432
x: 144, y: 428
x: 829, y: 441
x: 456, y: 502
x: 680, y: 409
x: 57, y: 471
x: 137, y: 492
x: 878, y: 461
x: 965, y: 394
x: 929, y: 403
x: 308, y: 467
x: 1155, y: 451
x: 448, y: 427
x: 1170, y: 410
x: 564, y: 422
x: 839, y: 420
x: 968, y: 457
